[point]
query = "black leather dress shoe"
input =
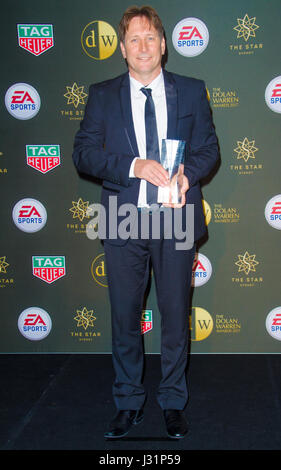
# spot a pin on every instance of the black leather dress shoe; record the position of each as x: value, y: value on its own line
x: 176, y: 424
x: 122, y: 423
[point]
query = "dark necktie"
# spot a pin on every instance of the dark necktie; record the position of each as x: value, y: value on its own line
x: 152, y: 146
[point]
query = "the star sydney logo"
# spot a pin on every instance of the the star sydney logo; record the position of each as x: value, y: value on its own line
x: 3, y: 264
x: 85, y: 318
x: 245, y: 149
x: 246, y: 27
x: 75, y: 95
x: 246, y: 263
x: 79, y: 209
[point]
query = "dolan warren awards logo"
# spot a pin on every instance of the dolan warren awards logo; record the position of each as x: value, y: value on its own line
x: 99, y: 40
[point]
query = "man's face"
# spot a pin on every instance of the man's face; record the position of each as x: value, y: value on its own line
x: 143, y: 49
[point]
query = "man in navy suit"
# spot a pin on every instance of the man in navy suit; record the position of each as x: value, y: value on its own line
x: 112, y: 144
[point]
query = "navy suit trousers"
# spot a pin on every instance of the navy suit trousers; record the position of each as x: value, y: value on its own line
x: 128, y: 274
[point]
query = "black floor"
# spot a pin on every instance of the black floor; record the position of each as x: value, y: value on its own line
x: 63, y: 402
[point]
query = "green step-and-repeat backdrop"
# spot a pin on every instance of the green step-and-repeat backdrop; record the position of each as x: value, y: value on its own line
x: 53, y: 283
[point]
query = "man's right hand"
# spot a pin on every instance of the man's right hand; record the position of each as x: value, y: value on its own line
x: 152, y: 171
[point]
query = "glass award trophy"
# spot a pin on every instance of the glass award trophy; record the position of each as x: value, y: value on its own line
x: 172, y: 155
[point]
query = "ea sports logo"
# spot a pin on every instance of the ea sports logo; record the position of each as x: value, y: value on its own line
x: 272, y: 212
x: 201, y: 271
x: 190, y: 37
x: 273, y: 323
x: 273, y: 95
x: 29, y: 215
x: 34, y: 323
x: 22, y: 101
x: 99, y: 40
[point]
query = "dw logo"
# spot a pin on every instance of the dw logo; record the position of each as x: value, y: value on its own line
x: 99, y: 40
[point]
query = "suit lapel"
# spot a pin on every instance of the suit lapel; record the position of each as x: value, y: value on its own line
x: 126, y: 108
x: 172, y: 105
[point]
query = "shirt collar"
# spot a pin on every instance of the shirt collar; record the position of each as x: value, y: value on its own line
x: 157, y: 85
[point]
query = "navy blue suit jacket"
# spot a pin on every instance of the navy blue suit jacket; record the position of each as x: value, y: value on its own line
x: 106, y: 145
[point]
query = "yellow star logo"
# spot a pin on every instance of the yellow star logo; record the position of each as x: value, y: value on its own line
x: 246, y: 27
x: 246, y: 263
x: 245, y: 149
x: 79, y: 209
x: 75, y: 95
x: 85, y: 318
x: 3, y: 264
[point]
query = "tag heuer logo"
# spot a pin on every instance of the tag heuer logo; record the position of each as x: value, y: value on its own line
x: 43, y: 157
x: 35, y: 38
x: 48, y: 268
x: 146, y: 321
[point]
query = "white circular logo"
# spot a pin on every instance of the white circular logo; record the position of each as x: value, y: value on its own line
x: 34, y: 323
x: 201, y: 271
x: 273, y: 94
x: 272, y: 212
x: 273, y: 323
x: 190, y: 37
x: 22, y: 101
x: 29, y: 215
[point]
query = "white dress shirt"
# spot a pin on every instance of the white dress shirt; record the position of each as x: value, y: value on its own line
x: 138, y: 100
